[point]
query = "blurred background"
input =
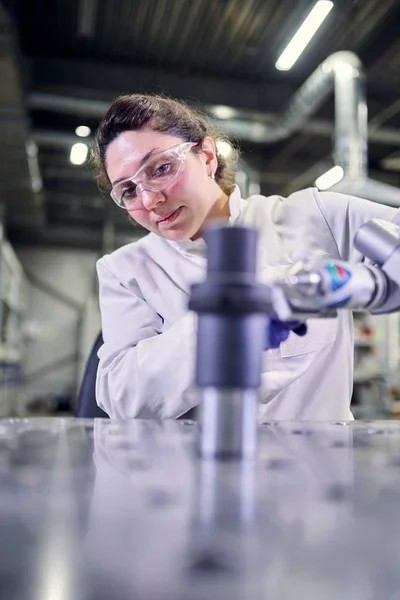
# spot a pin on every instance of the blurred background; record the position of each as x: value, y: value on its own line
x: 61, y: 64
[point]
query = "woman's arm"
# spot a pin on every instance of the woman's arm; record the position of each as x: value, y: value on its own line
x: 142, y: 371
x: 310, y: 222
x: 345, y: 215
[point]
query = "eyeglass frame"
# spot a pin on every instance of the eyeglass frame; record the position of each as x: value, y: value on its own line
x: 181, y: 155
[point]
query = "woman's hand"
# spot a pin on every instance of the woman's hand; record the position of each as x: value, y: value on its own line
x: 278, y: 331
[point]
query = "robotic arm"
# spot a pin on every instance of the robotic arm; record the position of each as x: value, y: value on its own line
x: 320, y: 287
x: 379, y: 241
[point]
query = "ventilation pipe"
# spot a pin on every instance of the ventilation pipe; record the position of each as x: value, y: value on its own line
x: 342, y: 72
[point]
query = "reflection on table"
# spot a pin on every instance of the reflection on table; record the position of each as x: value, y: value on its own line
x: 125, y: 509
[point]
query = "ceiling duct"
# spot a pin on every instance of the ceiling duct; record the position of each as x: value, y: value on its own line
x: 245, y: 129
x: 20, y: 181
x: 343, y: 73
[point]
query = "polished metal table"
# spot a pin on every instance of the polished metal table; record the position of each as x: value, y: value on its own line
x: 123, y: 510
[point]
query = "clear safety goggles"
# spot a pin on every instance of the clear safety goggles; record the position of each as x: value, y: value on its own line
x: 155, y: 175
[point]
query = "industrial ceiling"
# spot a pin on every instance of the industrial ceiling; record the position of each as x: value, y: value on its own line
x: 61, y: 63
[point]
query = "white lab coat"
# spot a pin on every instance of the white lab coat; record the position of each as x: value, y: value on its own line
x: 147, y: 360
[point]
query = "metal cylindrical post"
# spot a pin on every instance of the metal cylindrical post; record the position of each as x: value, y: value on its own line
x: 228, y: 425
x: 232, y: 324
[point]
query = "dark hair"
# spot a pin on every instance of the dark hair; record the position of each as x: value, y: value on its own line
x: 165, y: 115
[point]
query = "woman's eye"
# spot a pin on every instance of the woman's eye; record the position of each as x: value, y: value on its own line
x: 129, y: 192
x: 162, y: 169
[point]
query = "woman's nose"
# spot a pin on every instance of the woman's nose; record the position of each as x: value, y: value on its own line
x: 151, y: 199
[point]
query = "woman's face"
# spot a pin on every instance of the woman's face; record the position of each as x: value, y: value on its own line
x: 179, y: 211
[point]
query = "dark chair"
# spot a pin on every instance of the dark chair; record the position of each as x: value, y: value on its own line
x: 87, y: 406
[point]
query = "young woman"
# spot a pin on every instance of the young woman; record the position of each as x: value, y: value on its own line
x: 159, y: 159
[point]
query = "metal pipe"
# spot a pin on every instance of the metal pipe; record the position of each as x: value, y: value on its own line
x: 351, y: 115
x: 305, y: 102
x: 58, y: 138
x: 67, y: 104
x: 343, y: 73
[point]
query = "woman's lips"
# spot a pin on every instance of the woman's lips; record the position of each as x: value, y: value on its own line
x: 170, y: 218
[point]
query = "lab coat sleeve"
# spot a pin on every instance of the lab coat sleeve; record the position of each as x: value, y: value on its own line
x: 143, y: 372
x: 344, y: 215
x: 310, y: 222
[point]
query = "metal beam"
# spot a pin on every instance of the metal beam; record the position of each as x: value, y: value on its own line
x: 65, y: 172
x: 58, y: 139
x: 247, y: 130
x: 110, y: 80
x: 95, y: 202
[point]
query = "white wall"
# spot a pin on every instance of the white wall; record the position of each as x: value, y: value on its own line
x: 71, y: 274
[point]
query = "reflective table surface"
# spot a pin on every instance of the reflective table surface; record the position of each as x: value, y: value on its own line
x: 123, y: 510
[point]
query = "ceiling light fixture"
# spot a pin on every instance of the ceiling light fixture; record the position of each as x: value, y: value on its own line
x: 303, y: 35
x: 78, y: 154
x: 223, y: 112
x: 329, y: 178
x: 83, y: 131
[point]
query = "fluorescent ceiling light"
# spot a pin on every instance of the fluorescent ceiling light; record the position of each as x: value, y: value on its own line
x: 83, y: 131
x: 303, y: 35
x: 223, y: 112
x: 329, y: 178
x: 224, y: 148
x: 78, y: 154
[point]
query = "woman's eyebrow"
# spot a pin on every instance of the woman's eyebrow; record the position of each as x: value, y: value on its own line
x: 144, y: 159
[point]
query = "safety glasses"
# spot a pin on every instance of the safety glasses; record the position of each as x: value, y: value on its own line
x: 155, y: 175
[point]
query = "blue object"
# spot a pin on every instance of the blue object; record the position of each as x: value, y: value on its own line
x: 278, y: 331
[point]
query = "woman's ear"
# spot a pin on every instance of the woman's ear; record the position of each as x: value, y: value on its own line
x: 209, y: 153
